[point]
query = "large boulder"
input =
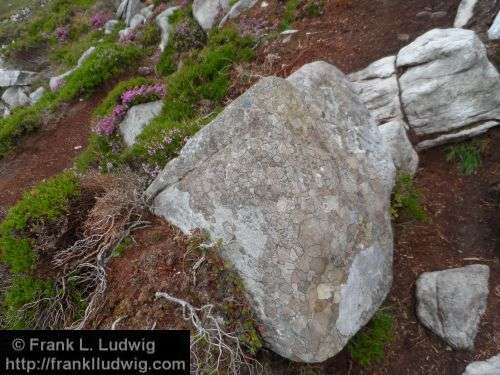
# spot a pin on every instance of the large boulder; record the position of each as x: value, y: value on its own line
x: 163, y: 22
x: 448, y: 82
x: 451, y: 302
x: 489, y: 367
x: 294, y: 178
x: 137, y: 118
x: 209, y: 12
x: 396, y: 139
x: 10, y: 78
x: 377, y: 86
x: 16, y: 97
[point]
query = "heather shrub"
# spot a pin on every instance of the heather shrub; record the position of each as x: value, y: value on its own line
x: 108, y: 61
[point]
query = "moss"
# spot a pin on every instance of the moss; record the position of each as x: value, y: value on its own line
x: 368, y: 345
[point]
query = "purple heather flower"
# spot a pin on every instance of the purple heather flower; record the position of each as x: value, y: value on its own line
x: 99, y: 19
x: 106, y: 126
x: 62, y: 33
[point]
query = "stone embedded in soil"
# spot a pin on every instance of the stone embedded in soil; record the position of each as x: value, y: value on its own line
x: 163, y: 23
x: 37, y: 94
x: 237, y: 9
x: 15, y: 97
x: 464, y: 13
x: 451, y: 302
x: 448, y: 82
x: 137, y: 118
x: 294, y: 178
x: 209, y: 12
x: 488, y: 367
x: 494, y: 30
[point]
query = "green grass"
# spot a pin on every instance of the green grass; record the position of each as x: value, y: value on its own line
x: 368, y: 345
x: 46, y: 202
x: 407, y: 199
x: 289, y: 14
x: 204, y: 76
x: 467, y: 155
x: 108, y: 61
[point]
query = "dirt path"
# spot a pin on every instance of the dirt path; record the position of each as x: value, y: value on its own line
x: 46, y: 152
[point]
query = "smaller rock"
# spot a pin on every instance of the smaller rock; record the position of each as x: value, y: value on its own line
x: 37, y: 94
x: 438, y: 15
x: 237, y: 9
x: 464, y: 13
x: 137, y: 21
x: 489, y: 367
x: 494, y: 30
x: 404, y: 156
x: 110, y: 26
x: 424, y: 14
x: 16, y: 97
x: 403, y: 37
x: 84, y: 57
x: 4, y: 110
x: 147, y: 12
x: 451, y: 302
x: 264, y: 4
x: 137, y: 118
x: 287, y: 32
x: 162, y: 20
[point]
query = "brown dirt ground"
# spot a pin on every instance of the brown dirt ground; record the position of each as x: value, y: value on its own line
x: 47, y: 152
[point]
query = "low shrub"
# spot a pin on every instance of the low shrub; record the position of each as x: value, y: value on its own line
x: 368, y: 345
x: 407, y: 199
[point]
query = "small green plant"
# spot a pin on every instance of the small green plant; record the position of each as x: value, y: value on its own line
x: 407, y: 199
x: 314, y: 8
x: 289, y: 14
x: 121, y: 247
x: 468, y: 155
x: 367, y: 346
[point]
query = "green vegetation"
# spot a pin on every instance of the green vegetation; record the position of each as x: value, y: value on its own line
x: 44, y: 204
x: 367, y: 346
x: 108, y: 61
x: 203, y: 77
x: 39, y: 30
x: 406, y: 199
x: 468, y: 155
x: 289, y: 14
x: 314, y: 8
x: 121, y: 247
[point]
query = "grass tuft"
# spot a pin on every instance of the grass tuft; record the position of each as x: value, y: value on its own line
x: 407, y: 199
x: 467, y: 155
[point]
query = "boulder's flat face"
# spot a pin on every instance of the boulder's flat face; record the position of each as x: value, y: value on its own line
x: 488, y: 367
x: 10, y: 78
x: 15, y: 97
x: 209, y: 12
x: 451, y: 302
x: 297, y: 187
x: 137, y: 118
x: 403, y: 154
x: 448, y: 82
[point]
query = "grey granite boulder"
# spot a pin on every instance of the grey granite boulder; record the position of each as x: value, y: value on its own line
x: 137, y: 21
x: 238, y: 8
x: 403, y: 154
x: 377, y: 86
x: 294, y: 178
x: 209, y: 12
x: 163, y: 23
x: 37, y: 94
x: 137, y: 118
x: 10, y: 78
x: 494, y: 30
x: 451, y: 302
x: 56, y: 82
x: 464, y: 13
x: 109, y: 26
x: 133, y: 7
x: 4, y: 110
x: 448, y: 83
x: 16, y: 97
x: 489, y: 367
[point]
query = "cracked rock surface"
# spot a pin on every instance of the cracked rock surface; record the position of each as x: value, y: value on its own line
x: 294, y: 178
x: 451, y: 302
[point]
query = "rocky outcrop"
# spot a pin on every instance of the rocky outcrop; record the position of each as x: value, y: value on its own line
x: 441, y: 85
x: 9, y: 78
x: 16, y: 97
x: 451, y: 302
x: 209, y: 12
x: 488, y: 367
x: 494, y: 30
x: 294, y: 178
x: 464, y: 13
x: 164, y: 24
x: 128, y: 9
x: 137, y: 118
